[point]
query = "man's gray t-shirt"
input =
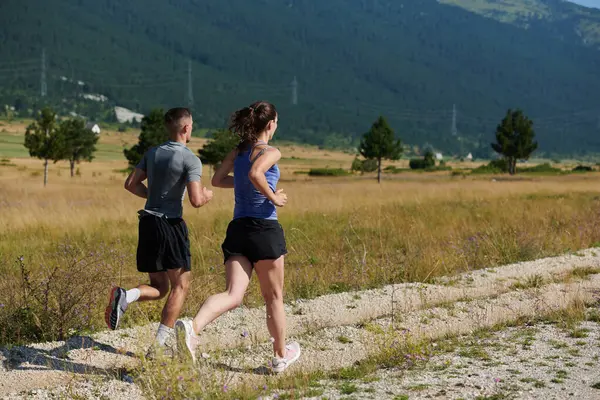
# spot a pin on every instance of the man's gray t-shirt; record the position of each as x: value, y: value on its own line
x: 169, y: 167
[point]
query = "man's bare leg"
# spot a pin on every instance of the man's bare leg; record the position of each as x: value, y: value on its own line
x: 120, y: 299
x: 180, y: 284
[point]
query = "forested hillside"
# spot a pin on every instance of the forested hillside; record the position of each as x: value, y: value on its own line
x: 354, y: 59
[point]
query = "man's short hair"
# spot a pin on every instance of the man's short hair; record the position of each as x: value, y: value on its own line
x: 173, y: 118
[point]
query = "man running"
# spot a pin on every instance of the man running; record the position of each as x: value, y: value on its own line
x: 163, y: 247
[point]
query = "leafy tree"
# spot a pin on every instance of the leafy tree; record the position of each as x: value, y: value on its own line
x: 427, y: 162
x: 379, y: 143
x: 153, y: 133
x: 80, y: 143
x: 44, y: 140
x: 515, y: 139
x: 222, y: 142
x: 429, y: 159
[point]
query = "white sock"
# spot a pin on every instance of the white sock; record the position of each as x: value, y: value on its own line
x: 163, y: 333
x: 132, y: 295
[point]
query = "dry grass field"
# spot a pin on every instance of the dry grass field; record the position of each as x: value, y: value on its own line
x: 78, y: 235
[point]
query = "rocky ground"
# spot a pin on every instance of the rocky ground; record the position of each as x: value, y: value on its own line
x: 541, y: 361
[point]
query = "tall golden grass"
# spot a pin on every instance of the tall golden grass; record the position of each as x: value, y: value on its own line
x: 342, y: 233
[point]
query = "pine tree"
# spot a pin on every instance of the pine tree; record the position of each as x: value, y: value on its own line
x: 80, y: 143
x: 379, y: 143
x: 515, y: 139
x: 222, y: 142
x: 153, y: 133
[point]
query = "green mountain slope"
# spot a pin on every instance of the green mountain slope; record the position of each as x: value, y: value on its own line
x: 565, y: 18
x: 353, y: 59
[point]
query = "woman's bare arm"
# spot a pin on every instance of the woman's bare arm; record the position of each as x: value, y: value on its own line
x: 259, y: 180
x: 222, y: 177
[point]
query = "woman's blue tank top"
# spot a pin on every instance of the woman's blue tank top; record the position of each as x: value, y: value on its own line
x: 249, y: 202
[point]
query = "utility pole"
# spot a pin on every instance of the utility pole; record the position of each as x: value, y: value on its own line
x: 190, y: 91
x: 454, y: 130
x: 295, y: 92
x: 43, y: 83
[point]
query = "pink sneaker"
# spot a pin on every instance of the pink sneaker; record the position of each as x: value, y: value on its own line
x: 292, y: 353
x: 187, y: 340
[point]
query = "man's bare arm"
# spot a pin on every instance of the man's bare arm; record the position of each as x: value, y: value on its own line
x: 199, y: 195
x: 134, y: 183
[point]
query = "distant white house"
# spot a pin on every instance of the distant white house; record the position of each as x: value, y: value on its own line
x: 125, y: 115
x: 94, y: 127
x: 470, y: 157
x: 95, y: 97
x: 439, y: 156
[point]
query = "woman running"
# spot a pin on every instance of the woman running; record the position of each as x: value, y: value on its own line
x: 254, y: 239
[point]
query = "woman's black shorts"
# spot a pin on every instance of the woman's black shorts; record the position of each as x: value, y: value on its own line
x: 254, y: 238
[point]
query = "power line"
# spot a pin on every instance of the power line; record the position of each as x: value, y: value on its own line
x: 144, y: 84
x: 16, y: 64
x: 13, y: 72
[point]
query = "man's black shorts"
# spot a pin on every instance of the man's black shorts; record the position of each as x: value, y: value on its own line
x: 163, y: 244
x: 254, y: 238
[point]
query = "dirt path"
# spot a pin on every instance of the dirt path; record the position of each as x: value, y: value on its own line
x: 543, y: 361
x: 456, y: 305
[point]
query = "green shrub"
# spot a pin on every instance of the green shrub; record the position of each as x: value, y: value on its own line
x: 327, y: 172
x: 395, y: 170
x: 368, y: 165
x: 486, y: 169
x: 541, y: 168
x: 56, y: 300
x: 439, y: 168
x: 5, y: 162
x: 357, y: 165
x: 460, y: 173
x: 583, y: 168
x: 498, y: 166
x: 418, y: 163
x: 428, y: 161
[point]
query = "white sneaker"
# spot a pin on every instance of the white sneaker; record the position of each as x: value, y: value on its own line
x: 292, y: 353
x: 187, y: 340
